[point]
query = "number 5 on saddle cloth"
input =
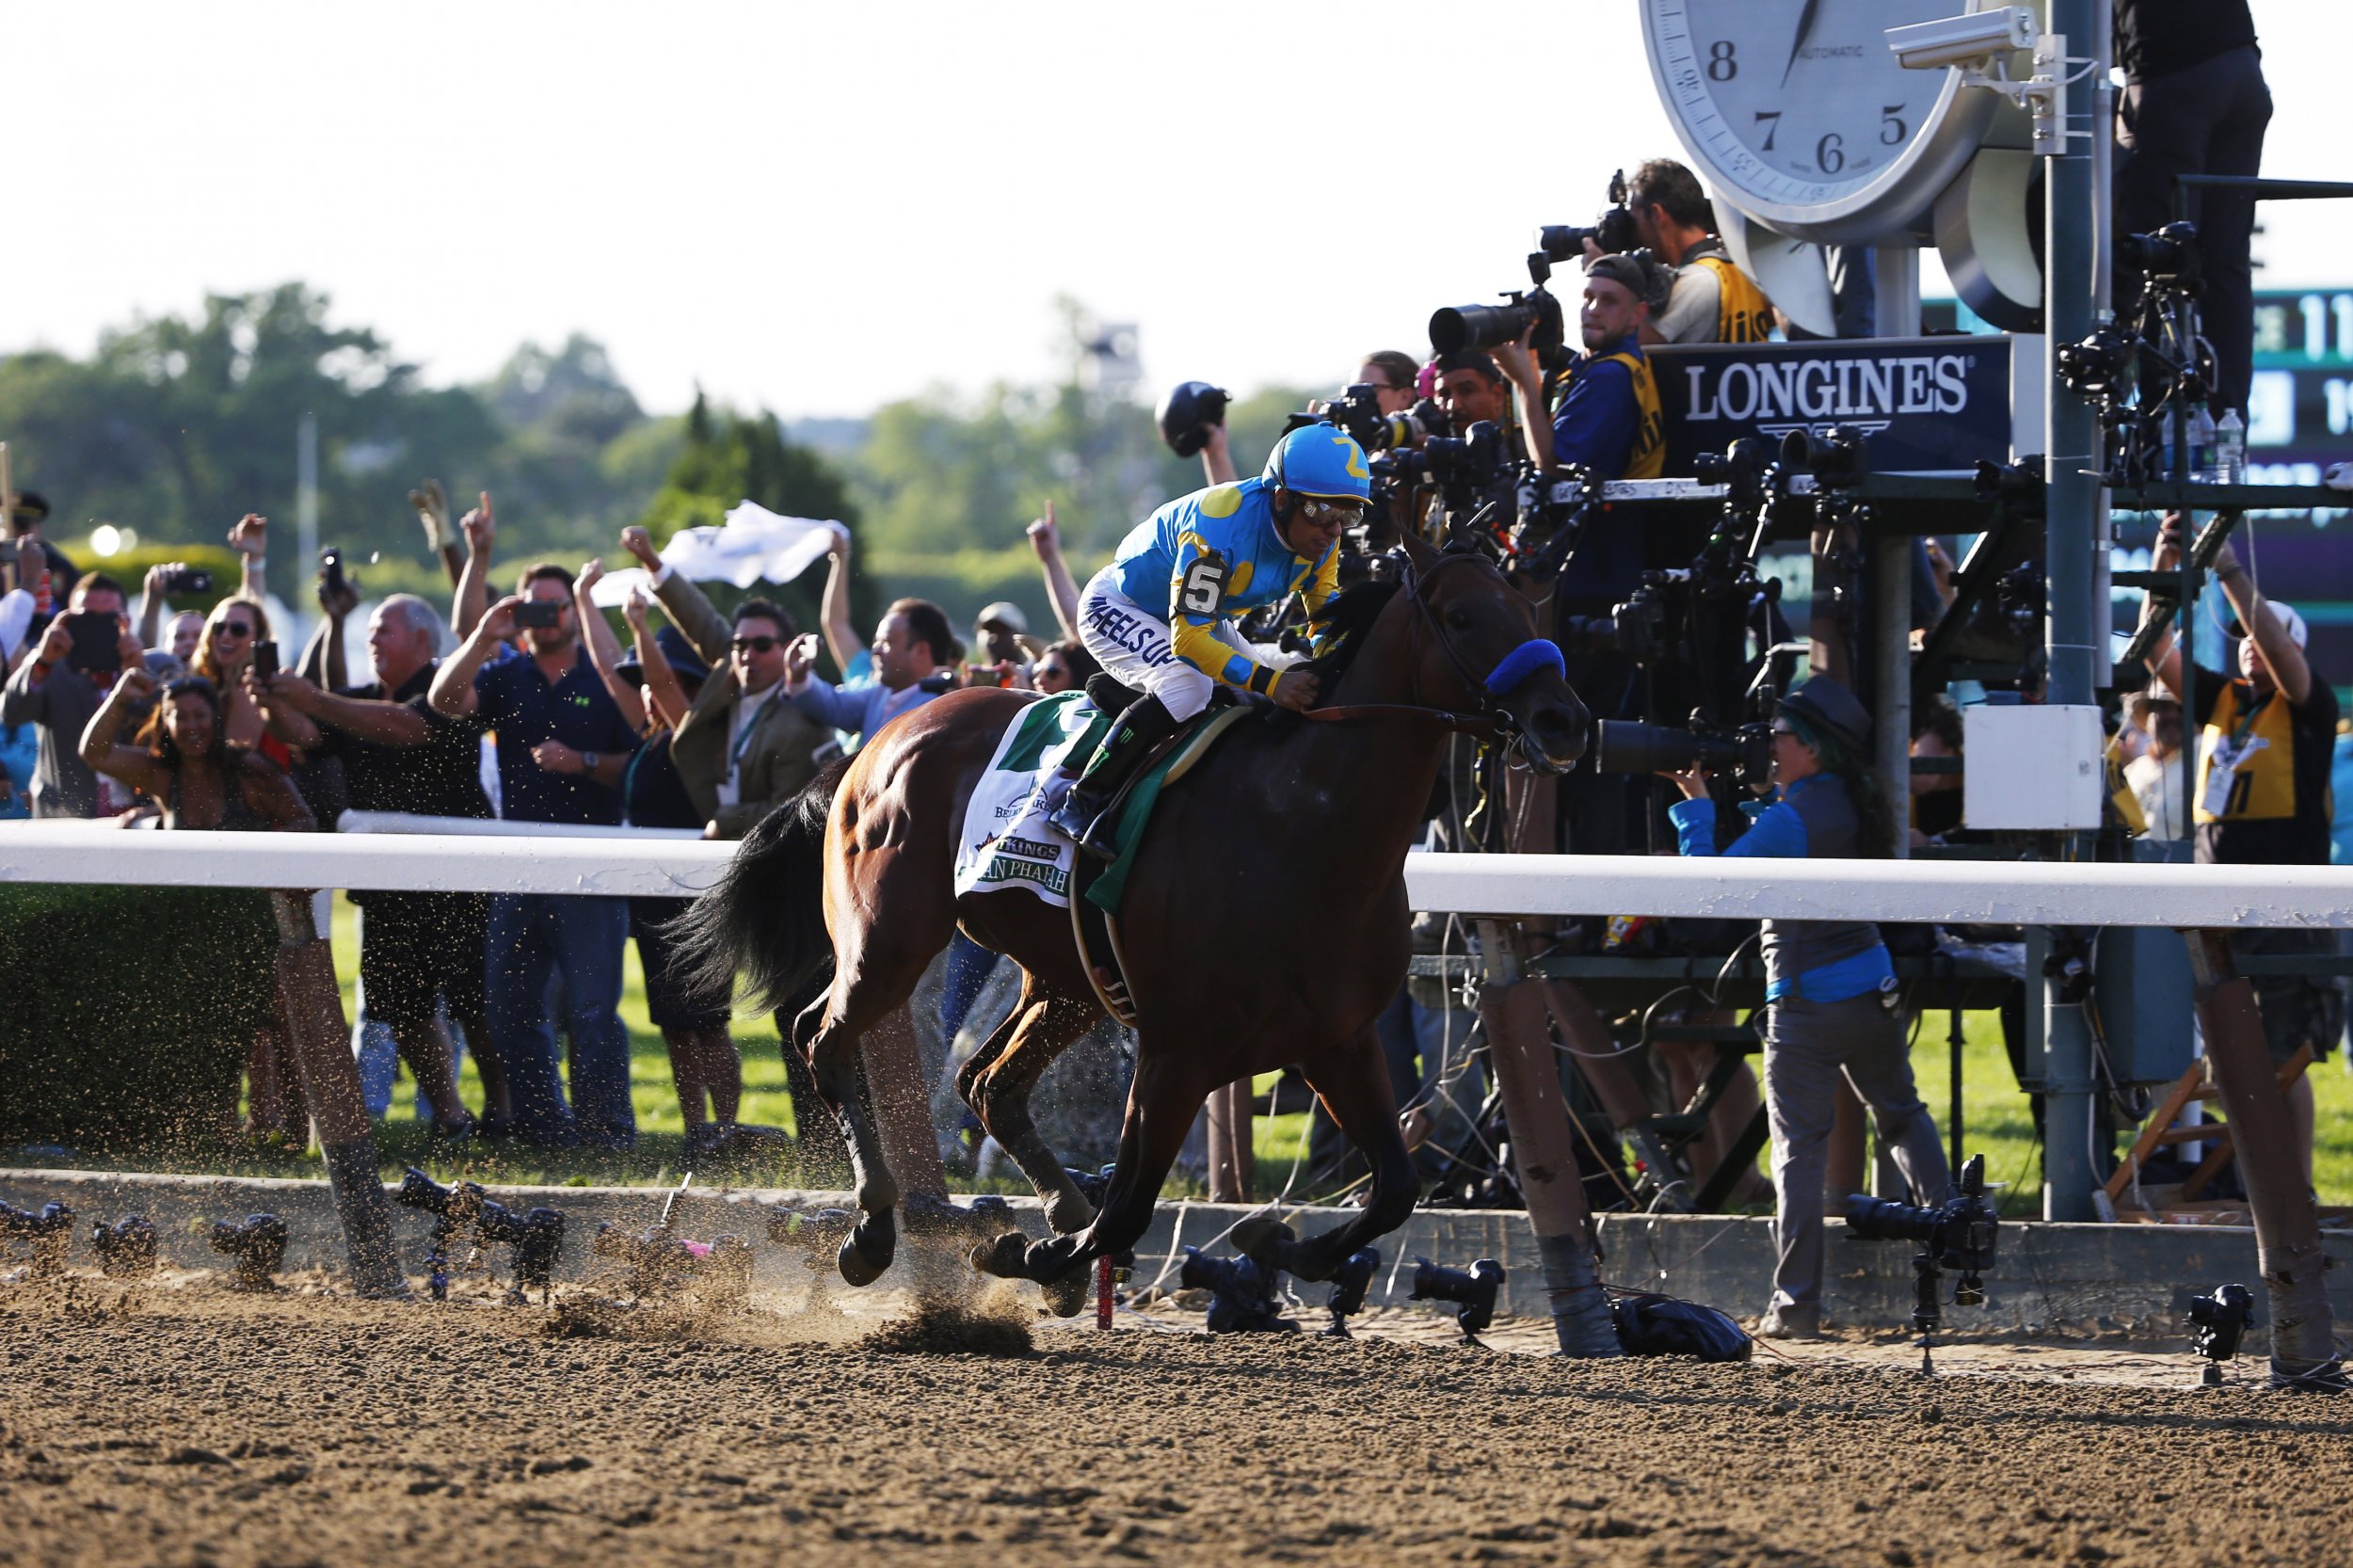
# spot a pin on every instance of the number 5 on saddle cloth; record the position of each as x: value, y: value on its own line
x: 1007, y: 842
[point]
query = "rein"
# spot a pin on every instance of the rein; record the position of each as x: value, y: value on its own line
x: 1487, y: 721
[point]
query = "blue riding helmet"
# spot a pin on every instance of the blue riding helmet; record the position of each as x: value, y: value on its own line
x: 1319, y: 460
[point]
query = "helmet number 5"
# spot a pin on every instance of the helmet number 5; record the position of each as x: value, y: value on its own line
x: 1204, y: 585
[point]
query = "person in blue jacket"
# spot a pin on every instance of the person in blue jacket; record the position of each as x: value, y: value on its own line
x: 1829, y: 985
x: 1160, y: 617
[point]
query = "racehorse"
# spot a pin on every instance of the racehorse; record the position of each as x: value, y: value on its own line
x: 1264, y: 923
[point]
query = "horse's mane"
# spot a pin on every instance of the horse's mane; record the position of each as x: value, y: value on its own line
x: 1347, y: 618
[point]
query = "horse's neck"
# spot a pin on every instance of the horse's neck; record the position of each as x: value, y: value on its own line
x: 1383, y: 767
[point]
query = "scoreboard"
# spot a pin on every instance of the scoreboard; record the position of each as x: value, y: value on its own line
x: 2300, y: 406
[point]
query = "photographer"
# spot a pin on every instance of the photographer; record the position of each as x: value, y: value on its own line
x: 741, y: 748
x: 1711, y: 300
x: 1607, y: 420
x: 1828, y: 985
x: 563, y: 745
x: 418, y: 951
x: 2262, y: 796
x: 59, y: 688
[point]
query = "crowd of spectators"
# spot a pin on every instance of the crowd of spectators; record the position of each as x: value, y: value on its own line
x: 530, y: 709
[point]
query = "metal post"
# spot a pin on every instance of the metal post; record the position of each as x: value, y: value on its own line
x: 306, y: 498
x: 1231, y: 1142
x: 1895, y: 272
x: 2074, y: 632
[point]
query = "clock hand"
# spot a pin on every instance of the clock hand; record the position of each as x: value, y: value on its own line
x: 1805, y: 25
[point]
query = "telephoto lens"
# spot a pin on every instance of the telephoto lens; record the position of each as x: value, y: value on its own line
x: 1349, y: 1284
x: 1455, y: 327
x: 2217, y: 1323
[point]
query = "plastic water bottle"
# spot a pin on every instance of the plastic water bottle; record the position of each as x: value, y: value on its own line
x: 2199, y: 433
x: 2229, y: 448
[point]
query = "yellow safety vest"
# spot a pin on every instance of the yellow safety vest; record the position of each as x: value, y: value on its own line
x: 1647, y: 460
x: 2262, y: 783
x: 1743, y: 315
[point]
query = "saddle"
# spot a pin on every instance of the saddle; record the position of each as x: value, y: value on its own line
x: 1098, y: 886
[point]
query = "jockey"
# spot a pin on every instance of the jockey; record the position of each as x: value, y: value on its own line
x: 1159, y: 618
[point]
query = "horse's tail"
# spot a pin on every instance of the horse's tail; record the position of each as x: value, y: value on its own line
x: 764, y: 920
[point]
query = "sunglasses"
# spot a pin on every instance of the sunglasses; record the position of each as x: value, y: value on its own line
x: 756, y: 645
x: 1320, y: 511
x: 236, y: 628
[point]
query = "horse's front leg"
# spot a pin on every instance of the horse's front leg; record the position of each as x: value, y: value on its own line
x: 1353, y: 1081
x: 1161, y: 1105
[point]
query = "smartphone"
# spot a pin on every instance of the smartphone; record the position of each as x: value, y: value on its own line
x: 97, y: 642
x: 188, y: 580
x: 264, y: 660
x: 330, y: 572
x: 538, y: 611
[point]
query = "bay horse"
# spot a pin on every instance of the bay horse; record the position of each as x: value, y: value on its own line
x: 1264, y: 924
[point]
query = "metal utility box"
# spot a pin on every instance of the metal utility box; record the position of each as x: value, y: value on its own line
x: 2031, y: 769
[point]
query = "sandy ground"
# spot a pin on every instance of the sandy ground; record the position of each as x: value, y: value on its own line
x: 178, y: 1423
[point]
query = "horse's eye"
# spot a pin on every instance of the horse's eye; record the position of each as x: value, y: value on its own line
x: 1458, y: 620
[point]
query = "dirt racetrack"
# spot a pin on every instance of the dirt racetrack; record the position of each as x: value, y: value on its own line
x: 177, y: 1423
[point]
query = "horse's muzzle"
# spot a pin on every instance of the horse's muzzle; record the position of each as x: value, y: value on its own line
x: 1554, y: 735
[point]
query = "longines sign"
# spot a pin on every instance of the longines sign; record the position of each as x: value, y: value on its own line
x: 1923, y: 404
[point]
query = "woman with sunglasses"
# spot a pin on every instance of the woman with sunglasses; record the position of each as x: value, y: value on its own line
x: 224, y: 651
x: 1160, y: 617
x: 1828, y: 985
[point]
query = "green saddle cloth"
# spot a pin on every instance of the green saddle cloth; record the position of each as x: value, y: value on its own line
x: 1135, y: 808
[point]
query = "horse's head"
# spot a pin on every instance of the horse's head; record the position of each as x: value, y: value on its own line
x: 1479, y: 651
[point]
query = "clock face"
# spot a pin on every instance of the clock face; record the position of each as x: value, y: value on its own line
x: 1800, y: 114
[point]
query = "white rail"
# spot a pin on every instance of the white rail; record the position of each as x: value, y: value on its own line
x: 1974, y: 891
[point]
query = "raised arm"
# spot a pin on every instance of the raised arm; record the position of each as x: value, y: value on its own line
x: 1046, y: 541
x: 1217, y: 457
x: 669, y: 696
x: 604, y: 648
x: 249, y: 538
x: 452, y: 692
x: 432, y: 505
x: 99, y: 750
x: 841, y: 638
x: 474, y: 579
x: 151, y: 603
x: 1518, y: 364
x: 688, y: 608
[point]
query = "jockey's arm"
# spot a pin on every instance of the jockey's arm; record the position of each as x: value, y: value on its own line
x: 1196, y: 640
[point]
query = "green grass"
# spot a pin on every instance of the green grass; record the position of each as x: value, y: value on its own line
x: 1997, y: 1122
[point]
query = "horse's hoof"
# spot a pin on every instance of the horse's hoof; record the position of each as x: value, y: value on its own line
x: 1262, y: 1238
x: 866, y: 1253
x: 1066, y: 1295
x: 1002, y: 1258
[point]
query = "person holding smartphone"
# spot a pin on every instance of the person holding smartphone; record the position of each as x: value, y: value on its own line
x: 59, y: 688
x: 563, y: 745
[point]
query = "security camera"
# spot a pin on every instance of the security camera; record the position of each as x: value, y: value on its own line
x: 1974, y: 40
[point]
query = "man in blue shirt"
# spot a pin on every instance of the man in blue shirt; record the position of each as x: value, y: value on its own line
x: 562, y: 747
x: 913, y: 660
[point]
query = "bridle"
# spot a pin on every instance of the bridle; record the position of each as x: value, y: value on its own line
x: 1486, y: 719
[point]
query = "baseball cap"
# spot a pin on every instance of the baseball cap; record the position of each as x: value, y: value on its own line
x: 1004, y: 616
x: 2287, y: 615
x: 1635, y: 271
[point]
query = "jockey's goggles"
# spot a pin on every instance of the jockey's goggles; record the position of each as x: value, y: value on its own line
x: 1320, y: 510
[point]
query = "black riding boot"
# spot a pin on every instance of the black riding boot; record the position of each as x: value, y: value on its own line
x: 1139, y: 730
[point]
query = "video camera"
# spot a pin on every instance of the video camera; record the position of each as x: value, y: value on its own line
x: 48, y: 1235
x: 1611, y: 232
x: 258, y: 1245
x: 2169, y: 255
x: 1959, y: 1234
x: 1455, y: 327
x: 1472, y: 1292
x: 126, y: 1249
x: 1244, y: 1293
x: 536, y: 1238
x: 2218, y: 1322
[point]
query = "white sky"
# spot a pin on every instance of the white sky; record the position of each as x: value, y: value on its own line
x: 821, y: 211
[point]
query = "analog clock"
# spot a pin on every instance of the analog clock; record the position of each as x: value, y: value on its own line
x: 1797, y: 112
